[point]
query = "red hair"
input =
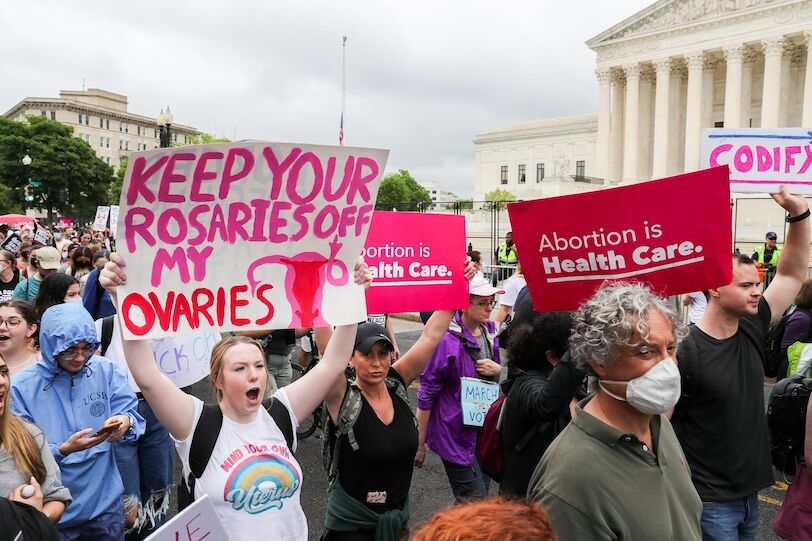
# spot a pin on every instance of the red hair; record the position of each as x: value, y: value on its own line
x: 489, y: 520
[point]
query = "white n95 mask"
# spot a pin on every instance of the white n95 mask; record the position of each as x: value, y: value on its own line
x: 653, y: 393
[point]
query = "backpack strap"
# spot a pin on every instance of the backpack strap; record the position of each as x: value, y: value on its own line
x: 203, y: 441
x: 106, y: 334
x: 280, y: 415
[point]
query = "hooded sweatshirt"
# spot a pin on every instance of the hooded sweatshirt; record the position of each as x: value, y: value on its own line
x: 62, y: 404
x: 454, y: 358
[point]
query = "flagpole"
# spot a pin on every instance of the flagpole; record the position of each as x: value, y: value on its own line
x: 343, y: 88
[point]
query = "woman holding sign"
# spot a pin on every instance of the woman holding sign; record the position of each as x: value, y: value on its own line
x: 469, y: 350
x: 371, y: 438
x: 251, y: 474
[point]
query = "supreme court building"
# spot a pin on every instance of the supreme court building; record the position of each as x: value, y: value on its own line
x: 663, y: 75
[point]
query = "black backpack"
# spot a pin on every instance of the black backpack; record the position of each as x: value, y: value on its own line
x: 205, y: 438
x: 786, y: 421
x: 774, y: 355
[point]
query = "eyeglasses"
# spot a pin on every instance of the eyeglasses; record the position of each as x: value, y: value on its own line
x: 12, y: 322
x: 70, y: 353
x: 484, y: 304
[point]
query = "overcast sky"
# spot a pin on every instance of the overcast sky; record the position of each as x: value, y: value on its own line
x: 423, y: 78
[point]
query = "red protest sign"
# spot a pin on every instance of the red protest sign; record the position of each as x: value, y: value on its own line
x: 417, y: 262
x: 672, y: 233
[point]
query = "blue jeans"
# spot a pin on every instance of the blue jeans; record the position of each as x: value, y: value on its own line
x: 467, y: 482
x: 147, y: 471
x: 108, y: 526
x: 726, y: 521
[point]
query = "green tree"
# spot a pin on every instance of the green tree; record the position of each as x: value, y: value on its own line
x: 118, y: 181
x: 466, y: 204
x: 206, y: 139
x: 72, y: 179
x: 401, y: 191
x: 8, y: 201
x: 497, y: 198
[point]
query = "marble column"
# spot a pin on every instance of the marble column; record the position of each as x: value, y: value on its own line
x: 708, y: 91
x: 616, y: 141
x: 659, y: 158
x: 693, y: 110
x: 771, y: 94
x: 748, y: 60
x: 676, y: 122
x: 733, y: 86
x: 806, y: 121
x: 604, y: 123
x: 631, y: 123
x: 645, y: 121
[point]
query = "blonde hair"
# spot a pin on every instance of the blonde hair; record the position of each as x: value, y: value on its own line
x: 19, y: 442
x: 219, y: 351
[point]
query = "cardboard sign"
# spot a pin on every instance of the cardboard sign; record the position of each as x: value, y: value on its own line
x: 476, y: 397
x: 417, y: 262
x: 113, y: 220
x: 100, y: 222
x: 12, y: 243
x: 761, y: 159
x: 244, y: 236
x: 198, y: 522
x: 673, y: 234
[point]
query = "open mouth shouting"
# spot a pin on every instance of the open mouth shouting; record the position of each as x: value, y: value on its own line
x: 252, y: 394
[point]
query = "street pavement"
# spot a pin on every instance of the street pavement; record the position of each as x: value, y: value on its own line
x: 430, y: 491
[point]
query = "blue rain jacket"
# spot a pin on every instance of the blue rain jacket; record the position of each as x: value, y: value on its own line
x: 61, y: 405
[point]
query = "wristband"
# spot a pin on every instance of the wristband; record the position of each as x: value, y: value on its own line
x: 801, y: 216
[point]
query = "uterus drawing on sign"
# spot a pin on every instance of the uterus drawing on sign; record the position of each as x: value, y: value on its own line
x: 305, y: 276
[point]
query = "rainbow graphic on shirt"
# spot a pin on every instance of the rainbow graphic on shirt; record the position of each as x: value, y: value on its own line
x: 261, y: 482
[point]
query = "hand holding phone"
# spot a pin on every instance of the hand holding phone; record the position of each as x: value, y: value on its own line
x: 108, y: 429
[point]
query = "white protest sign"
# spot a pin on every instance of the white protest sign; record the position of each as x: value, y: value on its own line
x: 244, y: 236
x: 761, y: 159
x: 12, y: 243
x: 197, y: 522
x: 42, y: 235
x: 100, y: 222
x: 113, y: 220
x: 476, y: 396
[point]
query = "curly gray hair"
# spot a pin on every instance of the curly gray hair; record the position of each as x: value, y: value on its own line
x: 616, y: 318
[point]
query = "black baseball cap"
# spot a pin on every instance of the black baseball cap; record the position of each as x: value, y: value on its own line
x: 772, y: 236
x: 370, y: 333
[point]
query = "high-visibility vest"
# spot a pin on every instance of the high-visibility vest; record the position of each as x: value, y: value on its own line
x: 505, y: 257
x: 774, y: 260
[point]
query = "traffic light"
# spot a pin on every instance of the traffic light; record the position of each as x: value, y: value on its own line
x: 29, y: 193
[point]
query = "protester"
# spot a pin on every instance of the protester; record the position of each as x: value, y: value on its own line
x: 9, y: 275
x: 489, y: 520
x: 506, y: 257
x: 81, y: 262
x: 71, y: 394
x: 513, y: 286
x: 696, y: 301
x: 94, y: 298
x: 468, y: 349
x: 531, y: 416
x: 798, y: 335
x: 239, y: 377
x: 23, y: 256
x: 374, y: 457
x: 617, y: 471
x: 26, y: 460
x: 17, y: 332
x: 56, y: 289
x: 43, y: 261
x: 720, y: 418
x: 66, y: 258
x: 386, y: 322
x: 84, y: 239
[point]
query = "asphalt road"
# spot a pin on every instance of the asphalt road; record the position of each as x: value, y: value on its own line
x: 430, y: 491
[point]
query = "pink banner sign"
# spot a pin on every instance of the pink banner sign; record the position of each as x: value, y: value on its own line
x: 673, y: 234
x: 244, y: 236
x: 417, y: 261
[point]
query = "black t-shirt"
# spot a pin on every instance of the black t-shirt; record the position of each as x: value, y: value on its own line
x: 7, y: 288
x: 720, y: 418
x: 385, y: 457
x: 280, y: 342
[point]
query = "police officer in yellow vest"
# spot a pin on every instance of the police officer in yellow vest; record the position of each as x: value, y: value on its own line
x: 768, y: 254
x: 506, y: 256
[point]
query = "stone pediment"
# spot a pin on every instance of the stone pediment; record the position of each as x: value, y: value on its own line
x: 667, y: 14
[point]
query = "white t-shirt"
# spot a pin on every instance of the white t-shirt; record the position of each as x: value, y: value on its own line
x: 512, y: 286
x: 252, y: 478
x: 697, y: 307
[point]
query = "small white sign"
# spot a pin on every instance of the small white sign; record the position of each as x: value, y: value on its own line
x: 100, y: 223
x: 197, y: 522
x: 113, y: 220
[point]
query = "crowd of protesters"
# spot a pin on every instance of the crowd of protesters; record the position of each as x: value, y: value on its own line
x: 620, y: 420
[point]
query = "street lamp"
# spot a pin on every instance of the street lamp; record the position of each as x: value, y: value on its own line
x: 29, y: 189
x: 165, y: 127
x: 26, y: 160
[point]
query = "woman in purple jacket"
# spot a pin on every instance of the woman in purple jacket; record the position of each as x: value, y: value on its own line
x: 469, y: 349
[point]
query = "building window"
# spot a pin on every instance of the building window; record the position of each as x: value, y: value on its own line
x: 81, y: 117
x: 120, y: 145
x: 126, y: 145
x: 108, y: 142
x: 580, y: 169
x: 539, y: 172
x: 53, y: 115
x: 44, y: 113
x: 522, y: 176
x: 503, y: 174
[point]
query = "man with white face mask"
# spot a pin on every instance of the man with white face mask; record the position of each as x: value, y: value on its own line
x: 720, y: 418
x: 617, y: 471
